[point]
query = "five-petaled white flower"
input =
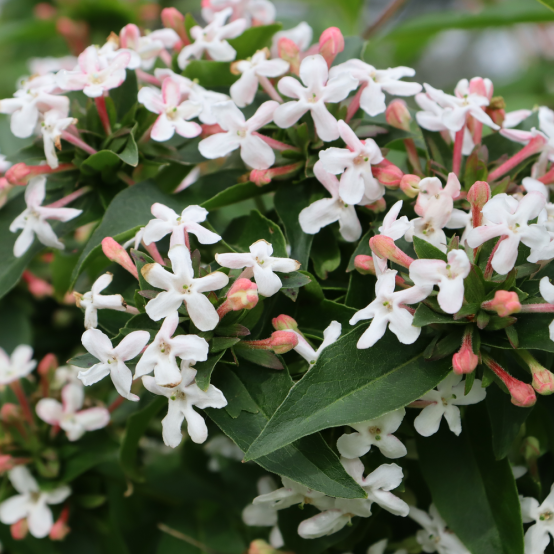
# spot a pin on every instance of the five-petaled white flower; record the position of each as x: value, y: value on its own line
x: 323, y: 212
x: 394, y: 227
x: 449, y: 276
x: 317, y: 90
x: 182, y: 400
x: 161, y: 355
x: 168, y: 221
x: 31, y: 503
x: 33, y: 219
x: 174, y: 114
x: 68, y: 414
x: 93, y: 301
x: 354, y: 163
x: 16, y: 366
x: 181, y: 286
x: 112, y: 360
x: 52, y: 126
x: 240, y: 134
x: 507, y: 218
x: 377, y: 82
x: 146, y: 49
x: 388, y: 308
x: 538, y: 535
x: 253, y: 72
x: 435, y: 537
x: 375, y: 432
x: 444, y: 401
x: 212, y: 39
x: 256, y: 12
x: 262, y: 266
x: 305, y: 349
x: 95, y: 73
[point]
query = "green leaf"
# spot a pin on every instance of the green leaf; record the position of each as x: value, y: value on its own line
x: 362, y: 248
x: 532, y: 330
x: 290, y: 200
x: 547, y: 3
x: 259, y: 227
x: 105, y: 161
x: 425, y: 316
x: 238, y: 397
x: 205, y: 369
x: 136, y: 427
x: 130, y: 154
x: 234, y: 194
x: 309, y: 461
x: 219, y: 344
x: 125, y: 96
x: 265, y: 358
x: 254, y: 39
x: 294, y: 280
x: 210, y: 74
x: 84, y: 360
x: 480, y: 504
x: 505, y: 419
x: 348, y: 385
x: 325, y: 253
x: 474, y: 286
x: 425, y: 250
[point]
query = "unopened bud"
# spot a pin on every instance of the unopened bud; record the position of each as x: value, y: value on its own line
x: 38, y: 287
x: 478, y: 195
x: 465, y: 361
x: 497, y: 115
x: 10, y: 413
x: 284, y: 322
x: 364, y: 264
x: 522, y: 394
x: 288, y: 50
x: 398, y: 115
x: 209, y: 130
x: 243, y: 295
x: 543, y: 380
x: 384, y: 247
x: 75, y: 33
x: 283, y: 341
x: 378, y: 206
x: 409, y: 185
x: 18, y: 174
x: 477, y: 85
x: 116, y: 253
x: 504, y: 303
x: 19, y: 529
x: 60, y: 529
x: 261, y: 547
x: 172, y: 18
x: 264, y: 176
x: 331, y: 42
x: 47, y: 364
x: 7, y: 463
x: 387, y: 173
x: 45, y: 11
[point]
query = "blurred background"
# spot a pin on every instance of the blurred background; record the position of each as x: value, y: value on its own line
x: 509, y: 41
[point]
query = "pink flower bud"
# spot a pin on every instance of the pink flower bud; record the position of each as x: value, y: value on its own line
x: 7, y: 463
x: 504, y: 303
x: 47, y: 364
x: 478, y: 195
x: 19, y: 529
x: 75, y: 33
x: 331, y: 42
x: 261, y: 547
x: 288, y: 50
x: 172, y: 18
x: 364, y: 264
x: 522, y: 394
x: 45, y: 11
x: 116, y: 253
x: 283, y: 341
x: 497, y: 115
x: 409, y: 185
x: 465, y: 361
x: 387, y: 173
x: 243, y: 295
x: 477, y: 85
x: 19, y: 174
x: 377, y: 206
x: 60, y: 529
x: 543, y: 380
x: 284, y: 322
x: 384, y: 247
x: 264, y: 176
x: 10, y: 413
x: 398, y: 115
x: 208, y: 130
x: 39, y: 288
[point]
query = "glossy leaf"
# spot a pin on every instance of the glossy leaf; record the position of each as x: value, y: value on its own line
x: 425, y: 250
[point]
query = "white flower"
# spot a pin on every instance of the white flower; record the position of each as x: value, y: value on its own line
x: 435, y: 537
x: 181, y: 286
x: 240, y: 134
x: 375, y: 432
x: 263, y: 266
x: 538, y: 535
x: 388, y: 309
x: 168, y: 221
x: 259, y: 12
x: 32, y: 99
x: 19, y: 365
x: 64, y: 375
x: 182, y: 400
x: 31, y: 503
x: 507, y: 218
x: 212, y: 39
x: 33, y: 219
x: 546, y: 289
x: 431, y: 190
x: 161, y: 355
x: 93, y: 301
x: 445, y: 400
x: 173, y: 114
x: 377, y: 486
x: 330, y: 336
x: 146, y: 49
x: 301, y: 35
x: 381, y: 546
x: 112, y: 360
x: 323, y: 212
x: 52, y: 126
x: 68, y: 414
x: 195, y: 93
x: 393, y: 227
x: 252, y: 72
x: 42, y: 66
x: 354, y: 163
x: 95, y: 73
x: 317, y: 90
x: 449, y: 276
x: 223, y: 446
x: 377, y: 82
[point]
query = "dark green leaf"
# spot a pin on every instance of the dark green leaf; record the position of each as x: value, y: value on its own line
x: 532, y: 330
x: 222, y: 343
x: 84, y: 360
x: 425, y: 316
x: 294, y: 280
x: 474, y: 286
x: 325, y: 253
x: 264, y: 358
x: 210, y: 74
x: 205, y: 369
x: 234, y: 194
x: 425, y: 250
x: 259, y: 227
x: 254, y: 39
x: 348, y: 385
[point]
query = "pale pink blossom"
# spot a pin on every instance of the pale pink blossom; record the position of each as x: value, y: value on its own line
x: 146, y: 49
x: 53, y: 125
x: 255, y: 12
x: 16, y: 366
x: 539, y: 534
x: 301, y: 35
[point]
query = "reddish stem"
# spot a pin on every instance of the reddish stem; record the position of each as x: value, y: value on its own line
x: 354, y: 105
x: 548, y: 177
x: 115, y: 404
x: 457, y: 155
x: 413, y: 156
x: 23, y: 402
x: 152, y: 249
x: 537, y: 309
x: 147, y: 78
x: 267, y: 85
x: 488, y: 269
x: 103, y: 114
x: 534, y: 146
x: 166, y: 58
x: 79, y: 143
x: 275, y: 144
x: 477, y: 131
x: 69, y: 198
